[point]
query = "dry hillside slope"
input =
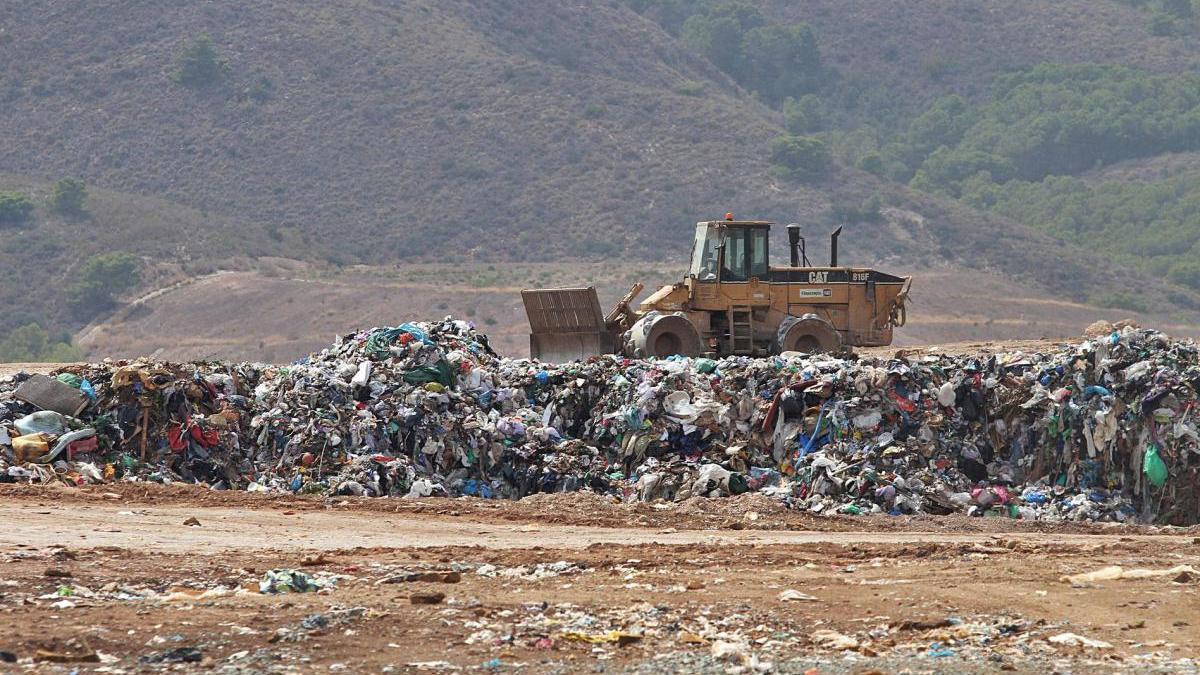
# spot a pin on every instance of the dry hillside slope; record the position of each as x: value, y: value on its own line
x: 460, y: 130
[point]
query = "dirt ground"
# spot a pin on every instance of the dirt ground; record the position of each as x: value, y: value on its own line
x: 299, y: 309
x: 119, y: 578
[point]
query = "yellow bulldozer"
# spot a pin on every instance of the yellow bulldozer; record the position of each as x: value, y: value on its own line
x: 732, y: 301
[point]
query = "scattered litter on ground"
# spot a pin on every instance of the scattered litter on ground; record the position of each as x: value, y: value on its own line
x: 1073, y: 640
x: 1114, y: 572
x: 293, y: 581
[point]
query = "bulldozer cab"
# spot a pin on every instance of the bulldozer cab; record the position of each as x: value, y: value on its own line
x: 730, y: 251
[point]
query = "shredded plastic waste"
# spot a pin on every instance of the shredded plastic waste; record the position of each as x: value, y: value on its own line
x: 1099, y: 430
x: 291, y: 581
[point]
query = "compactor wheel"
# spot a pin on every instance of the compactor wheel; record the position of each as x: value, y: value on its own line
x: 809, y: 333
x: 663, y: 335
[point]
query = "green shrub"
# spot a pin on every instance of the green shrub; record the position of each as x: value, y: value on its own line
x: 31, y: 344
x: 868, y: 212
x: 198, y: 64
x: 101, y: 279
x: 261, y: 91
x: 718, y: 38
x: 68, y: 197
x: 1160, y: 24
x: 801, y: 157
x: 1185, y: 273
x: 1184, y: 300
x: 936, y: 66
x: 946, y: 169
x: 593, y: 111
x: 872, y: 209
x: 15, y: 208
x: 669, y: 13
x: 780, y: 61
x: 803, y: 115
x: 40, y: 245
x: 1180, y: 9
x: 872, y: 163
x: 775, y: 60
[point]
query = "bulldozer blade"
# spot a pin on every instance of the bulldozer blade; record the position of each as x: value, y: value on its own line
x: 565, y: 324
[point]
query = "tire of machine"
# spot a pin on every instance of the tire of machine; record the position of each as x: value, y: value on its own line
x: 662, y: 335
x: 809, y: 333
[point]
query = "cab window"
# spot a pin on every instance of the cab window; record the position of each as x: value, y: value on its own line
x: 758, y: 253
x: 735, y: 256
x: 704, y: 253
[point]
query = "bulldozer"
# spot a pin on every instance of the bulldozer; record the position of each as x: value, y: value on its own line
x: 731, y: 301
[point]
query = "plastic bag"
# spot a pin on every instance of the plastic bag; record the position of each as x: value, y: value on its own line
x: 69, y: 379
x: 440, y: 373
x: 1154, y: 468
x: 43, y: 422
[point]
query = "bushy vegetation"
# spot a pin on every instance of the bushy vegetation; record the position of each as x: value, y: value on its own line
x: 69, y: 197
x: 261, y: 91
x: 101, y: 279
x: 1052, y: 120
x: 1048, y: 120
x: 870, y: 211
x: 803, y: 115
x: 804, y: 158
x: 16, y: 208
x: 1167, y: 17
x: 198, y: 64
x: 774, y: 60
x: 31, y: 343
x: 1021, y: 154
x: 594, y: 111
x: 1150, y: 225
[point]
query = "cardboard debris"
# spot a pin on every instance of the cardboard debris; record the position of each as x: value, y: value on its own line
x: 48, y: 393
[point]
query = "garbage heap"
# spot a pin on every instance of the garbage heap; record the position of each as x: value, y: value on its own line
x: 1103, y: 429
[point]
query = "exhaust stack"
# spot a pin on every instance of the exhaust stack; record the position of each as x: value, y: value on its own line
x: 833, y: 252
x: 794, y: 243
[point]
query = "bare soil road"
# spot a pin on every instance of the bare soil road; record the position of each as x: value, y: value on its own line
x: 159, y: 529
x: 120, y: 579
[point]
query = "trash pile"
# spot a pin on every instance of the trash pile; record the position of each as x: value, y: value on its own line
x: 1103, y: 429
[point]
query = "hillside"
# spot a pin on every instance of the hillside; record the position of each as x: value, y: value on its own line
x: 298, y: 309
x: 424, y: 132
x: 41, y: 261
x: 898, y: 56
x: 387, y: 131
